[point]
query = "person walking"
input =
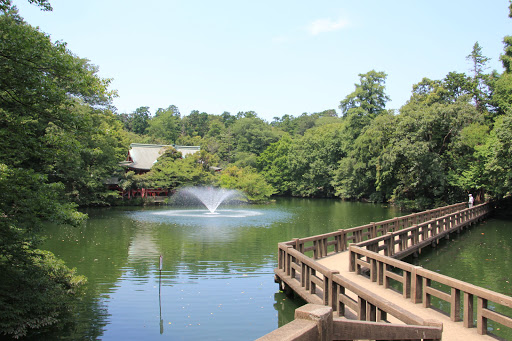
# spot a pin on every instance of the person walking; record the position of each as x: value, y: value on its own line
x: 471, y: 200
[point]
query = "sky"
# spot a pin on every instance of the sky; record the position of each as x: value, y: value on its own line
x: 280, y: 57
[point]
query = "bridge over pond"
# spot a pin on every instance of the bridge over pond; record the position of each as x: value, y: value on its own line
x: 369, y: 293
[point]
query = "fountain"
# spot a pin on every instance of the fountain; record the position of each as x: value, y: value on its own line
x: 183, y: 210
x: 211, y: 197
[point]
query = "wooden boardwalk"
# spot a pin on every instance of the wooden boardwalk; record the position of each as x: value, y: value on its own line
x: 351, y: 270
x: 451, y: 330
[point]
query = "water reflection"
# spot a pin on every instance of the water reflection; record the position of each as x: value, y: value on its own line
x: 217, y: 276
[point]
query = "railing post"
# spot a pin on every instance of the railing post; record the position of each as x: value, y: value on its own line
x: 297, y: 243
x: 361, y: 309
x: 321, y: 315
x: 407, y: 284
x: 373, y: 230
x: 416, y: 285
x: 303, y: 274
x: 343, y: 240
x: 340, y: 305
x: 373, y: 270
x: 330, y: 289
x: 372, y: 312
x: 468, y: 310
x: 455, y: 305
x: 352, y: 260
x: 312, y: 285
x: 481, y: 321
x: 288, y: 260
x: 426, y: 296
x: 388, y: 242
x: 380, y: 272
x: 333, y: 297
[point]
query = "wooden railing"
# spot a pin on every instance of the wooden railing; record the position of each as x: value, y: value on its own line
x: 316, y: 322
x: 320, y: 285
x: 373, y: 248
x: 417, y: 283
x: 329, y: 243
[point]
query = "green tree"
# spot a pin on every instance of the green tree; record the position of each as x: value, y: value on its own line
x: 5, y: 5
x: 497, y: 153
x: 366, y: 102
x: 196, y: 123
x: 417, y: 161
x: 479, y: 84
x: 247, y: 180
x: 166, y: 125
x: 313, y: 158
x: 253, y: 135
x: 274, y: 165
x: 139, y: 120
x: 356, y: 175
x: 52, y: 104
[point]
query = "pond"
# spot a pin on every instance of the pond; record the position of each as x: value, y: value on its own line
x: 217, y: 279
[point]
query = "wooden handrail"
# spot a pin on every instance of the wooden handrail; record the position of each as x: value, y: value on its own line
x: 394, y: 238
x: 320, y: 284
x: 417, y: 281
x: 332, y: 242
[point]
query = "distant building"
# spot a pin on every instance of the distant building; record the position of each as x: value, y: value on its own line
x: 140, y: 159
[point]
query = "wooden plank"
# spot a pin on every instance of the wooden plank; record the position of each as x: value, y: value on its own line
x: 394, y: 276
x: 497, y: 317
x: 438, y: 293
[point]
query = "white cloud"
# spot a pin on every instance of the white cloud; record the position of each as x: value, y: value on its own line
x: 326, y: 25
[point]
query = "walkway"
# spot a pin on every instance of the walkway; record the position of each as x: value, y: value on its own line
x: 332, y: 269
x: 451, y: 330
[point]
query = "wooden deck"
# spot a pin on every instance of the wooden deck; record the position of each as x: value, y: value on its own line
x: 350, y: 271
x: 451, y: 330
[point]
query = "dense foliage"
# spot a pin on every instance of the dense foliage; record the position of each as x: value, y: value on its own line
x: 58, y: 141
x: 448, y: 140
x: 60, y: 138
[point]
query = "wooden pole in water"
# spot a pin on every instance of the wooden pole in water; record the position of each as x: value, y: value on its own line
x: 159, y: 294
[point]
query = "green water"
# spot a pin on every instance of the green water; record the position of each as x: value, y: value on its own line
x: 217, y: 278
x: 216, y: 281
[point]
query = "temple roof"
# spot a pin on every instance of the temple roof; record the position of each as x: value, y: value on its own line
x: 143, y: 156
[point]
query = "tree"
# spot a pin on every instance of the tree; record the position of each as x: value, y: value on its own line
x: 366, y: 102
x: 247, y: 180
x: 253, y: 135
x: 196, y: 124
x: 313, y: 158
x: 356, y: 175
x: 53, y: 119
x: 415, y: 166
x: 491, y: 170
x: 44, y: 4
x: 166, y: 125
x: 273, y: 164
x: 480, y: 90
x: 139, y: 120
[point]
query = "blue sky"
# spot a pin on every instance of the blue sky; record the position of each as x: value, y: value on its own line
x: 272, y: 57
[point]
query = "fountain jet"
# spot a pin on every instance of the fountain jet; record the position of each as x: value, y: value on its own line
x: 211, y: 197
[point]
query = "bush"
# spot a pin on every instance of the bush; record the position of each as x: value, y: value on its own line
x: 248, y: 181
x: 45, y: 290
